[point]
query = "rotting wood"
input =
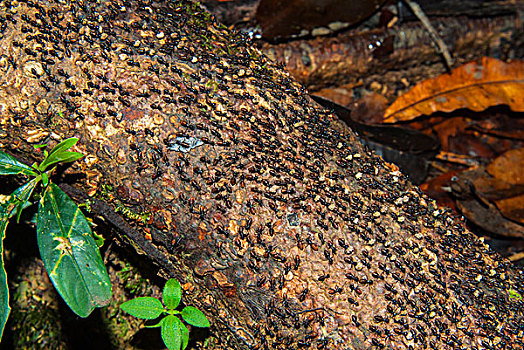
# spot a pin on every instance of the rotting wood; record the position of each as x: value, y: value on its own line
x: 355, y: 55
x: 265, y: 207
x: 470, y: 8
x: 283, y: 20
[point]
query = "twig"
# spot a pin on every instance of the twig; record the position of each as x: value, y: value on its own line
x: 417, y: 10
x: 457, y: 159
x: 516, y: 257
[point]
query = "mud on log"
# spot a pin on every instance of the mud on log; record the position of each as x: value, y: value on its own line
x: 220, y: 167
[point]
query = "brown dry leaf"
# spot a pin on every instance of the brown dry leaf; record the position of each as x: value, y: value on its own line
x: 489, y: 218
x: 438, y: 189
x: 512, y: 208
x: 450, y: 128
x: 501, y: 126
x: 369, y: 108
x: 509, y: 167
x: 503, y: 216
x: 343, y: 95
x: 490, y: 196
x: 490, y: 188
x: 475, y: 85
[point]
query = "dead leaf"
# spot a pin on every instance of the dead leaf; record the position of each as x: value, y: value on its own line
x: 490, y: 196
x: 509, y: 167
x: 450, y: 128
x: 475, y: 86
x: 516, y: 257
x: 369, y: 108
x: 503, y: 127
x: 492, y: 189
x: 512, y: 208
x: 343, y: 95
x: 489, y: 218
x: 483, y: 212
x: 438, y: 189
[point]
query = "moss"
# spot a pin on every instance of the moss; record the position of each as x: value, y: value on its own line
x: 105, y: 192
x: 133, y: 215
x: 127, y: 332
x: 127, y: 284
x: 34, y: 321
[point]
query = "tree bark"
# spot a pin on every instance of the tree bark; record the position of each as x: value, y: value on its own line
x: 217, y: 165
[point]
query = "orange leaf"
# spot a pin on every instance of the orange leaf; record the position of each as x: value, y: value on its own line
x: 475, y: 85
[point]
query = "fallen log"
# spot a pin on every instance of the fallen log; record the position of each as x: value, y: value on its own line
x: 355, y: 56
x: 217, y: 165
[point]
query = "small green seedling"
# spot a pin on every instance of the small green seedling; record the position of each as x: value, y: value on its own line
x: 514, y: 295
x: 65, y: 240
x: 174, y: 333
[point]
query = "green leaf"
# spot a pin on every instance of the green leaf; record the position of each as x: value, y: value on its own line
x: 59, y: 154
x: 171, y: 332
x: 70, y: 254
x: 45, y: 179
x: 194, y: 317
x: 185, y: 335
x: 9, y: 165
x: 147, y: 308
x: 99, y: 239
x: 513, y: 294
x: 159, y: 324
x: 64, y: 145
x: 21, y: 196
x: 5, y: 210
x: 62, y: 157
x: 67, y: 157
x: 172, y: 294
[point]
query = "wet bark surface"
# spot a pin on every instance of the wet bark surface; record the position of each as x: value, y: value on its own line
x: 219, y: 167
